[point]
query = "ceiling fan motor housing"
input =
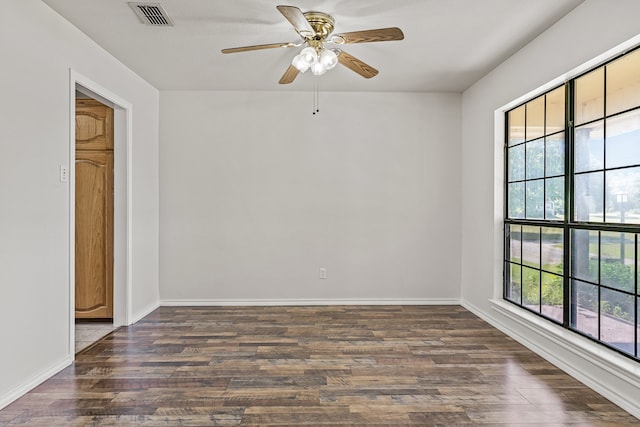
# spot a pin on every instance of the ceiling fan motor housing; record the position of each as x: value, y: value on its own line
x: 321, y: 23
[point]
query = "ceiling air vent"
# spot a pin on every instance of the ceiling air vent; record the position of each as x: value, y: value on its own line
x: 152, y: 14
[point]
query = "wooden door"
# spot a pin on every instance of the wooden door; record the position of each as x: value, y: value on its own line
x: 94, y: 211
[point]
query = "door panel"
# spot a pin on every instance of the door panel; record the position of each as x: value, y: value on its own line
x: 94, y: 211
x: 94, y: 125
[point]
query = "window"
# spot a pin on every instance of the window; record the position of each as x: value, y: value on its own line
x: 572, y: 211
x: 536, y: 158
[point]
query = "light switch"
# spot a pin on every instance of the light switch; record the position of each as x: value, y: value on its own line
x: 64, y: 173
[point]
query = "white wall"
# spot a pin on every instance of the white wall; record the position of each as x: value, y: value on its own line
x: 38, y: 49
x: 591, y: 29
x: 257, y: 194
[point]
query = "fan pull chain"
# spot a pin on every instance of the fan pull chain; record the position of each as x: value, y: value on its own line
x: 316, y: 97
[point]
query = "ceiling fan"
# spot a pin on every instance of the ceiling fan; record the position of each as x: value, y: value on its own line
x: 315, y: 30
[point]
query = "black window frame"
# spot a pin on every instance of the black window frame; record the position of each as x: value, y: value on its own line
x: 569, y: 224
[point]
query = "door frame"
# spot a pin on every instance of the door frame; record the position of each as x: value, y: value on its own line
x: 122, y: 230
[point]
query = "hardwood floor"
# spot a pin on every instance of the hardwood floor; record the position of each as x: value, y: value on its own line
x: 337, y: 365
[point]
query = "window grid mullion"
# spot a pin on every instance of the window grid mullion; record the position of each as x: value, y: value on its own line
x: 635, y: 302
x: 540, y: 270
x: 604, y: 146
x: 524, y: 169
x: 568, y: 313
x: 599, y: 305
x: 544, y: 181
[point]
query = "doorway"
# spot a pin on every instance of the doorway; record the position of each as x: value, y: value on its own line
x: 94, y: 194
x: 84, y: 334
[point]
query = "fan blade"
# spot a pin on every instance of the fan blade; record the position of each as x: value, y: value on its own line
x: 297, y: 19
x: 289, y: 75
x: 367, y: 36
x: 354, y: 64
x: 257, y: 47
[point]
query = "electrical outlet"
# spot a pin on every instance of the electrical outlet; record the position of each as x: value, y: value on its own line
x: 323, y: 273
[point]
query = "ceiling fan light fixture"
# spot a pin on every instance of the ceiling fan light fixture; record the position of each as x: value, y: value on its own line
x: 299, y: 63
x: 309, y: 56
x: 328, y: 58
x: 315, y: 29
x: 319, y: 61
x: 318, y: 69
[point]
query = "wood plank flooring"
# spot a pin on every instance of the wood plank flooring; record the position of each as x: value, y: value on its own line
x: 336, y: 365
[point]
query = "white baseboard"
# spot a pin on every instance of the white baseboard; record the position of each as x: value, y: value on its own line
x: 143, y: 313
x: 33, y: 382
x: 293, y: 302
x: 609, y: 373
x: 38, y: 379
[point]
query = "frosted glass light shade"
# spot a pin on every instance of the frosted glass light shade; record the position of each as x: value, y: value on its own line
x: 318, y: 69
x: 328, y: 58
x: 300, y: 64
x: 309, y: 55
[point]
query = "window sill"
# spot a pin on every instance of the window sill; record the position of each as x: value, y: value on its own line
x: 614, y: 363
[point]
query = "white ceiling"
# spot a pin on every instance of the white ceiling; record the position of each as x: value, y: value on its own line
x: 448, y: 45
